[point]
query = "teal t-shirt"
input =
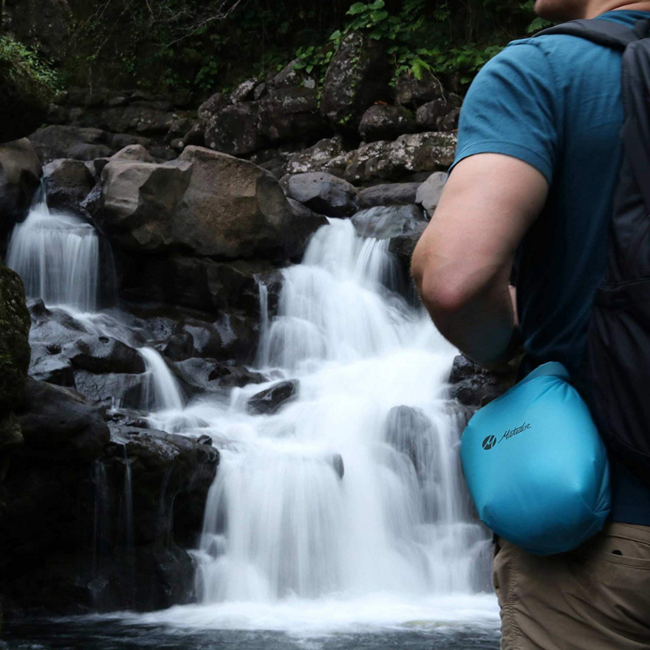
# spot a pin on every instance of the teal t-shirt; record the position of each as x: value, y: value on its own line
x: 555, y: 103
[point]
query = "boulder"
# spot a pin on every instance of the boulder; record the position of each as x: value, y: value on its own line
x: 357, y: 77
x: 109, y: 389
x: 52, y: 142
x: 60, y: 425
x: 316, y: 157
x: 383, y: 122
x: 389, y: 222
x: 474, y: 386
x: 213, y: 105
x: 430, y: 115
x: 67, y: 182
x: 199, y: 376
x: 244, y: 91
x: 103, y: 354
x: 205, y: 203
x: 410, y: 431
x: 134, y: 152
x: 284, y: 115
x: 105, y: 536
x: 271, y: 400
x: 450, y: 121
x: 411, y: 91
x: 389, y: 194
x: 289, y: 77
x: 324, y: 194
x: 429, y: 193
x: 20, y: 174
x: 396, y: 161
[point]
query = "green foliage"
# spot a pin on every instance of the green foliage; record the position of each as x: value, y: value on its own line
x: 22, y: 64
x: 187, y: 45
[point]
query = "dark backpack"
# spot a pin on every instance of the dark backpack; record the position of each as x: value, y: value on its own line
x: 618, y: 347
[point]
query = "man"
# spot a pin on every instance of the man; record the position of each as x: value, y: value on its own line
x: 539, y: 151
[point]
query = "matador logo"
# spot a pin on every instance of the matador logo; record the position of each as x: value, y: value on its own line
x: 489, y: 442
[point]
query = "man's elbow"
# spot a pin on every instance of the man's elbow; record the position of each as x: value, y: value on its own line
x: 441, y: 292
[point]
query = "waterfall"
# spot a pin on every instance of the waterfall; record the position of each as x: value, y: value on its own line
x: 345, y: 505
x: 281, y: 524
x: 57, y: 256
x: 167, y: 394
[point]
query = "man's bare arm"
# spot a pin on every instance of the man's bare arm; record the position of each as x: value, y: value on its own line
x: 462, y: 263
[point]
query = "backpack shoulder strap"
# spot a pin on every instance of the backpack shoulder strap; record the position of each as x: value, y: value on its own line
x: 601, y: 32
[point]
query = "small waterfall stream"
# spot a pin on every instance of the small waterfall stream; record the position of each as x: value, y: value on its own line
x: 292, y: 537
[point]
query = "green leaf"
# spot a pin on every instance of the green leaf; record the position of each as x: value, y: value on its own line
x: 336, y: 35
x: 379, y: 4
x: 357, y: 8
x: 378, y: 16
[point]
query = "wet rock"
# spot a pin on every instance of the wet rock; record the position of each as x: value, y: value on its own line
x: 272, y: 399
x: 336, y: 461
x: 126, y: 390
x: 389, y: 222
x: 409, y: 154
x: 411, y: 432
x: 48, y: 365
x: 389, y: 194
x: 68, y: 183
x: 411, y: 91
x: 474, y: 386
x: 207, y: 375
x: 212, y: 106
x: 67, y: 544
x: 59, y: 424
x: 236, y: 130
x: 324, y: 194
x: 20, y: 174
x: 383, y: 122
x: 206, y: 203
x: 315, y: 158
x: 429, y: 193
x: 52, y: 142
x: 103, y: 354
x: 356, y: 78
x: 229, y: 376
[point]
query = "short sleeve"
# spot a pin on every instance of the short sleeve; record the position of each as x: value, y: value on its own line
x: 511, y: 108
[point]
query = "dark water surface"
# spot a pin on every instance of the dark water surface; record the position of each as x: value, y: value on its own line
x: 102, y: 634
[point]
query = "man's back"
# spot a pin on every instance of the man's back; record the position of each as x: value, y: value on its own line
x: 537, y: 166
x: 555, y: 102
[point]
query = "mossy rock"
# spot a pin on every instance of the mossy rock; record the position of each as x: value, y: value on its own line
x: 27, y: 87
x: 14, y: 340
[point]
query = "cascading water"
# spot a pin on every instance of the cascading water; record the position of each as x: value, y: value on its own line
x: 344, y: 508
x: 57, y: 256
x: 284, y: 534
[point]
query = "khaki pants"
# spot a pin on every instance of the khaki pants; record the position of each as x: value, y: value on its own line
x: 596, y: 597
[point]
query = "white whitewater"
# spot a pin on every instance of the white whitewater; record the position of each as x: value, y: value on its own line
x: 287, y: 542
x: 57, y: 256
x: 167, y: 394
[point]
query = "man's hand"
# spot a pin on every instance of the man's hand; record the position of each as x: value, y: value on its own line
x: 463, y: 261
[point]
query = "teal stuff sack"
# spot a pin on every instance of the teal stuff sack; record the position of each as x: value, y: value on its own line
x: 536, y: 466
